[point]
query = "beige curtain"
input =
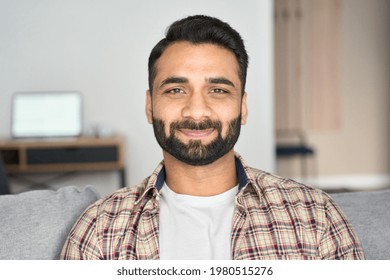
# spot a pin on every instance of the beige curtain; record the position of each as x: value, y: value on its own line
x: 307, y: 64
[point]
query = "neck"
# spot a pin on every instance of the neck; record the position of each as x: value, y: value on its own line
x: 208, y: 180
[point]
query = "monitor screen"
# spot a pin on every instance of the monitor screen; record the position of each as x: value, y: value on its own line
x: 46, y: 114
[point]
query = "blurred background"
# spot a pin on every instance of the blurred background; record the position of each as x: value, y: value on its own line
x: 318, y: 81
x: 332, y: 92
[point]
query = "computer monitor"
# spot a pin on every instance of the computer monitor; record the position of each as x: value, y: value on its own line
x: 46, y: 114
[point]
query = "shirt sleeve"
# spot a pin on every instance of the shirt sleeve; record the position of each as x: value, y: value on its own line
x: 82, y: 242
x: 339, y: 240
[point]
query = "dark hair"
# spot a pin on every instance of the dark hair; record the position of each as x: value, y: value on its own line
x: 201, y: 29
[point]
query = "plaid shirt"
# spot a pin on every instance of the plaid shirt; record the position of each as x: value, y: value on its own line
x: 274, y: 218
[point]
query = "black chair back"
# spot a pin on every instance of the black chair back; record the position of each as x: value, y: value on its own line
x: 4, y: 187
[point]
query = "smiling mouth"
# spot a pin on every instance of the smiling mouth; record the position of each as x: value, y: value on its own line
x: 197, y: 134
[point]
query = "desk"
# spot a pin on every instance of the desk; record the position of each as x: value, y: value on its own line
x: 64, y: 155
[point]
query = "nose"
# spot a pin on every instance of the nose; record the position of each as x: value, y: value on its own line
x: 196, y: 107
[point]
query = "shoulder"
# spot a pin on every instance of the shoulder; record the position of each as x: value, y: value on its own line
x: 311, y: 210
x: 103, y: 223
x: 115, y: 209
x: 271, y: 184
x: 124, y: 199
x: 276, y: 190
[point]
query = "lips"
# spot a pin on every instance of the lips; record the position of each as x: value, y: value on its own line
x: 197, y: 134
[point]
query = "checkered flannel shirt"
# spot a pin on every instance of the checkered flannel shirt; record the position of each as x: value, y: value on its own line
x: 274, y: 218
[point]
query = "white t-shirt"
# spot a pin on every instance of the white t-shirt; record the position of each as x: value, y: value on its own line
x: 196, y: 227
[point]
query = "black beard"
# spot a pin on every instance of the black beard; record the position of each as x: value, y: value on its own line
x: 195, y: 153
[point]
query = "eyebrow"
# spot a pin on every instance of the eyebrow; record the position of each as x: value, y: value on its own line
x: 183, y: 80
x: 174, y: 80
x: 220, y: 80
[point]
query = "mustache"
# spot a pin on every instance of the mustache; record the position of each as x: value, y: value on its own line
x: 189, y: 124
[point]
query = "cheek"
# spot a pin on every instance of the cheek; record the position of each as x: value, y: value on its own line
x: 161, y: 127
x: 166, y: 116
x: 227, y: 117
x: 165, y: 110
x: 225, y: 129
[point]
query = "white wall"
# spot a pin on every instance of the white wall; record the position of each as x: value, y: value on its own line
x: 101, y: 47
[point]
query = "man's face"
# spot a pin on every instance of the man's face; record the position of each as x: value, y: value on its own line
x: 197, y: 107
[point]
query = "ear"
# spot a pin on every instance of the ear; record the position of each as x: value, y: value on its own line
x: 244, y: 109
x: 148, y: 107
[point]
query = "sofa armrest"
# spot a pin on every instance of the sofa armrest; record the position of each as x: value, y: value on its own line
x: 35, y: 224
x: 369, y: 213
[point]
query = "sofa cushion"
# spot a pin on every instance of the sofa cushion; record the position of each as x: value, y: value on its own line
x: 369, y: 213
x: 35, y: 224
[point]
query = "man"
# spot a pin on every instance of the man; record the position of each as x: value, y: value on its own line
x: 202, y: 201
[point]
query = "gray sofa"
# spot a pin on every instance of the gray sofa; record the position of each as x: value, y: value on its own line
x: 34, y: 224
x: 369, y: 213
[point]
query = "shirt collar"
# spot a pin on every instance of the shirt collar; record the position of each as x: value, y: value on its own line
x: 158, y: 177
x: 241, y: 173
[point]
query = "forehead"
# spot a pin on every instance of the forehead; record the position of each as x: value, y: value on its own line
x: 186, y: 58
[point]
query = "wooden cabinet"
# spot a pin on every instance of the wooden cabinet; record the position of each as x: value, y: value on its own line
x: 64, y: 155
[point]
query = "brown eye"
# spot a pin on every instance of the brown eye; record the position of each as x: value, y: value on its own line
x: 174, y: 91
x: 219, y: 91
